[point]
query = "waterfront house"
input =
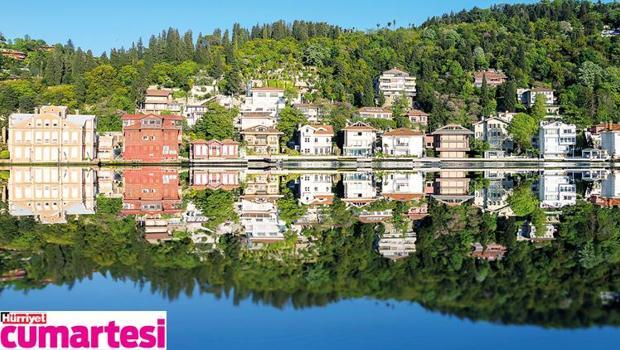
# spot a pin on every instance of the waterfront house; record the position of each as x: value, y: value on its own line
x: 403, y: 186
x: 375, y: 113
x: 418, y: 117
x: 316, y: 139
x: 262, y: 140
x: 214, y: 149
x: 610, y: 191
x: 610, y: 140
x: 451, y: 141
x: 493, y: 78
x: 494, y: 131
x: 50, y: 194
x: 403, y: 142
x: 359, y: 140
x: 50, y: 134
x: 556, y: 139
x: 151, y: 137
x: 395, y: 83
x: 451, y: 187
x: 359, y: 188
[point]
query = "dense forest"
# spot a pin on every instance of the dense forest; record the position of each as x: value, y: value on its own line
x: 552, y: 43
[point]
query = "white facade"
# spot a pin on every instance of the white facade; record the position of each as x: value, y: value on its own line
x: 396, y: 245
x: 316, y: 139
x: 313, y: 187
x: 375, y: 113
x: 260, y: 220
x: 359, y: 140
x: 403, y: 183
x: 528, y: 96
x: 610, y: 141
x: 610, y: 187
x: 251, y: 119
x: 556, y: 190
x: 404, y: 143
x: 494, y: 131
x: 556, y: 139
x: 312, y: 112
x: 265, y: 100
x: 193, y: 112
x: 359, y: 188
x: 397, y: 83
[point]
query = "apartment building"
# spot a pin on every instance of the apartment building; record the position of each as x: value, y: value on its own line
x: 359, y: 140
x: 451, y: 141
x: 395, y: 83
x: 316, y: 139
x: 556, y: 139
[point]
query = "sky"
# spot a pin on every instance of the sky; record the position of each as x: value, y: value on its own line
x: 101, y: 25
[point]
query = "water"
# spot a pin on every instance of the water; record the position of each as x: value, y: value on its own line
x: 384, y: 259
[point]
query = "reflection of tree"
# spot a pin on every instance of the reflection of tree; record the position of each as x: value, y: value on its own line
x: 568, y: 274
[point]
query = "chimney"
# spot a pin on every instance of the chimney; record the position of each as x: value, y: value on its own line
x: 36, y: 110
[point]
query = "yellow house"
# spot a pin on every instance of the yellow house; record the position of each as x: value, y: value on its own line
x: 51, y: 135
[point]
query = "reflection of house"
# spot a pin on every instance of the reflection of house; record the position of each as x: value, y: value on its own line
x: 51, y: 135
x: 375, y: 113
x: 316, y: 139
x: 419, y: 211
x: 359, y: 188
x: 451, y: 187
x: 262, y: 185
x: 403, y: 142
x: 213, y: 149
x: 556, y: 139
x: 359, y: 140
x: 556, y: 190
x: 451, y: 141
x: 610, y: 191
x: 262, y: 140
x: 418, y: 117
x: 396, y: 245
x: 151, y: 138
x: 490, y: 252
x: 395, y: 83
x: 375, y: 216
x: 109, y: 183
x: 403, y: 186
x: 50, y: 193
x: 109, y: 145
x: 492, y: 77
x: 151, y: 191
x: 213, y: 179
x: 315, y: 191
x: 494, y: 197
x: 260, y: 221
x: 527, y: 232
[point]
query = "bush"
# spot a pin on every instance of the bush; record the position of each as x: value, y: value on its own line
x: 4, y: 154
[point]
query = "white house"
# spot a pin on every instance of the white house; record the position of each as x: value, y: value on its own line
x: 610, y: 140
x: 193, y: 112
x: 158, y: 100
x: 395, y: 83
x: 264, y: 99
x: 316, y: 139
x: 556, y: 190
x: 403, y: 186
x: 312, y: 112
x: 375, y: 113
x: 418, y: 117
x: 403, y: 142
x: 494, y: 197
x: 260, y: 221
x: 397, y: 245
x: 359, y: 140
x: 494, y: 131
x: 315, y: 189
x: 528, y: 96
x: 359, y: 188
x: 556, y: 139
x: 250, y: 119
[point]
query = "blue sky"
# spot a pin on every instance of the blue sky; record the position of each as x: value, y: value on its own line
x: 101, y: 25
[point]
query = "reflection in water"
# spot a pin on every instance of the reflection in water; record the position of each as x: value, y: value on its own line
x: 456, y: 241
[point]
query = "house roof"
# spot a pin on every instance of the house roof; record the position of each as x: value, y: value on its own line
x: 158, y: 92
x: 416, y: 112
x: 374, y: 110
x: 359, y: 126
x: 150, y: 115
x: 256, y: 115
x: 403, y: 197
x: 321, y: 129
x: 403, y: 132
x: 452, y: 129
x: 395, y: 71
x: 223, y: 142
x: 261, y: 129
x: 490, y: 74
x: 267, y: 88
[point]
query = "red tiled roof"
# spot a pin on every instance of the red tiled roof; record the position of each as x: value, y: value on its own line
x: 374, y: 110
x: 158, y: 92
x: 150, y: 115
x: 490, y: 74
x: 416, y: 112
x: 403, y: 132
x: 323, y: 129
x: 359, y: 126
x: 403, y: 197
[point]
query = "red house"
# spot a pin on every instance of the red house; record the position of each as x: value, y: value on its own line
x: 151, y: 138
x: 214, y: 149
x: 151, y: 191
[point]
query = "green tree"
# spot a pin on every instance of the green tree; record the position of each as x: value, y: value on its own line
x: 523, y: 127
x: 217, y: 123
x: 522, y: 201
x: 289, y: 120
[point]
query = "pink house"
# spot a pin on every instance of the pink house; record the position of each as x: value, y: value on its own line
x: 214, y: 149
